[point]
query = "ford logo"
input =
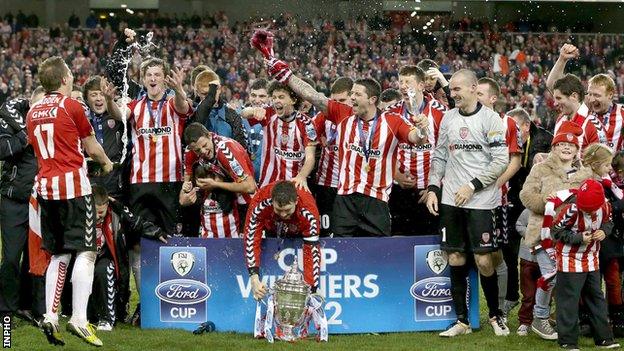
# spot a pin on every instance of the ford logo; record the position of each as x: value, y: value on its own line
x: 433, y: 290
x: 183, y: 291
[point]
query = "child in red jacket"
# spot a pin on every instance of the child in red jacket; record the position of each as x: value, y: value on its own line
x: 578, y: 231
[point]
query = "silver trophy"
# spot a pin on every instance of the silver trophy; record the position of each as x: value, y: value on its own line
x: 291, y: 293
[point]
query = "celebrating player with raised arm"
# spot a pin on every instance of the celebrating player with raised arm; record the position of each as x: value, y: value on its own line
x: 368, y: 140
x: 569, y: 95
x: 289, y: 139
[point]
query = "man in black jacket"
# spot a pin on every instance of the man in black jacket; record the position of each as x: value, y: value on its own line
x: 106, y: 119
x: 535, y: 140
x: 213, y: 111
x: 20, y: 293
x: 114, y: 222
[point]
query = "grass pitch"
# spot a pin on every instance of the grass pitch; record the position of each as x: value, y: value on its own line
x: 124, y: 337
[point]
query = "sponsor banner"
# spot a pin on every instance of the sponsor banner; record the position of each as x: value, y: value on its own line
x: 370, y: 284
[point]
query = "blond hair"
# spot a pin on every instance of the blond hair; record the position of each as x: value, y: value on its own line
x: 605, y: 81
x: 596, y: 155
x: 51, y: 73
x: 203, y: 79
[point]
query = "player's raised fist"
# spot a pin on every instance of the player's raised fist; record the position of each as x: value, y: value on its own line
x: 262, y: 40
x: 568, y: 52
x: 130, y: 34
x: 279, y: 70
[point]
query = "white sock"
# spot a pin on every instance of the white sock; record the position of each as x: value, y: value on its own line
x: 501, y: 272
x: 135, y: 262
x: 82, y: 282
x: 54, y: 282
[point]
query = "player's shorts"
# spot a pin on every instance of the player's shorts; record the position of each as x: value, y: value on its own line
x: 68, y: 225
x: 360, y: 215
x: 467, y: 230
x: 325, y: 197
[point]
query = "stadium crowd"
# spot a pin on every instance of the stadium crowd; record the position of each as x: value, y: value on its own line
x: 331, y: 134
x: 322, y: 50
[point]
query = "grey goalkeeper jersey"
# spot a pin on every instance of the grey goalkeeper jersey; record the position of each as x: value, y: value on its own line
x: 469, y: 147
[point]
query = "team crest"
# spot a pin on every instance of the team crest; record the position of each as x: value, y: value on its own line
x: 570, y: 137
x: 284, y: 139
x: 182, y: 262
x: 111, y: 123
x: 436, y: 260
x: 463, y: 132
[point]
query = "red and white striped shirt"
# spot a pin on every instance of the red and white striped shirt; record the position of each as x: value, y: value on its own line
x: 416, y: 159
x: 327, y: 172
x: 217, y: 224
x: 156, y: 140
x: 56, y: 125
x: 580, y: 257
x: 230, y: 160
x: 609, y: 126
x: 590, y: 134
x: 514, y: 144
x: 283, y: 145
x: 373, y: 176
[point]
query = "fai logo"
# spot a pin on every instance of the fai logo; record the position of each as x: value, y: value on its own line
x: 182, y: 262
x: 437, y: 261
x: 463, y: 132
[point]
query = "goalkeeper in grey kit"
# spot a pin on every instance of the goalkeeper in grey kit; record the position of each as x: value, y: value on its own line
x: 470, y: 155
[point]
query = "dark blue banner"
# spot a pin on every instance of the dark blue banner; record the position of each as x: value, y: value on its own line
x: 370, y: 284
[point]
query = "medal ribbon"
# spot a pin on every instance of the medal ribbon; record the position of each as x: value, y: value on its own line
x: 333, y: 131
x: 161, y: 104
x: 604, y: 125
x: 367, y: 143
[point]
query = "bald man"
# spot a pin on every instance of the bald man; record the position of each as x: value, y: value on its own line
x: 471, y: 154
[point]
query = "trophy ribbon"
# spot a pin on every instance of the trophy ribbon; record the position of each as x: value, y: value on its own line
x: 258, y: 333
x: 268, y: 321
x: 316, y: 313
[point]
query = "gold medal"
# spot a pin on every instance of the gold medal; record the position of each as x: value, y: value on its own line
x: 367, y: 168
x: 253, y: 157
x: 153, y: 137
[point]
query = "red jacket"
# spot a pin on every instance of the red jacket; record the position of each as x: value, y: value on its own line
x: 303, y: 223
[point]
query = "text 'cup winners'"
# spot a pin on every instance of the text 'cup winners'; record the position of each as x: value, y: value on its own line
x: 290, y: 308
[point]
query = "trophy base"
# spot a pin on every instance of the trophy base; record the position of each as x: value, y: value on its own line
x: 285, y: 333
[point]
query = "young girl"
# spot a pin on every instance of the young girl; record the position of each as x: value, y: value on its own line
x: 559, y: 171
x: 578, y: 230
x: 600, y: 158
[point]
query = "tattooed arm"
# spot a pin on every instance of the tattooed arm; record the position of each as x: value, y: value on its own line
x: 308, y: 93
